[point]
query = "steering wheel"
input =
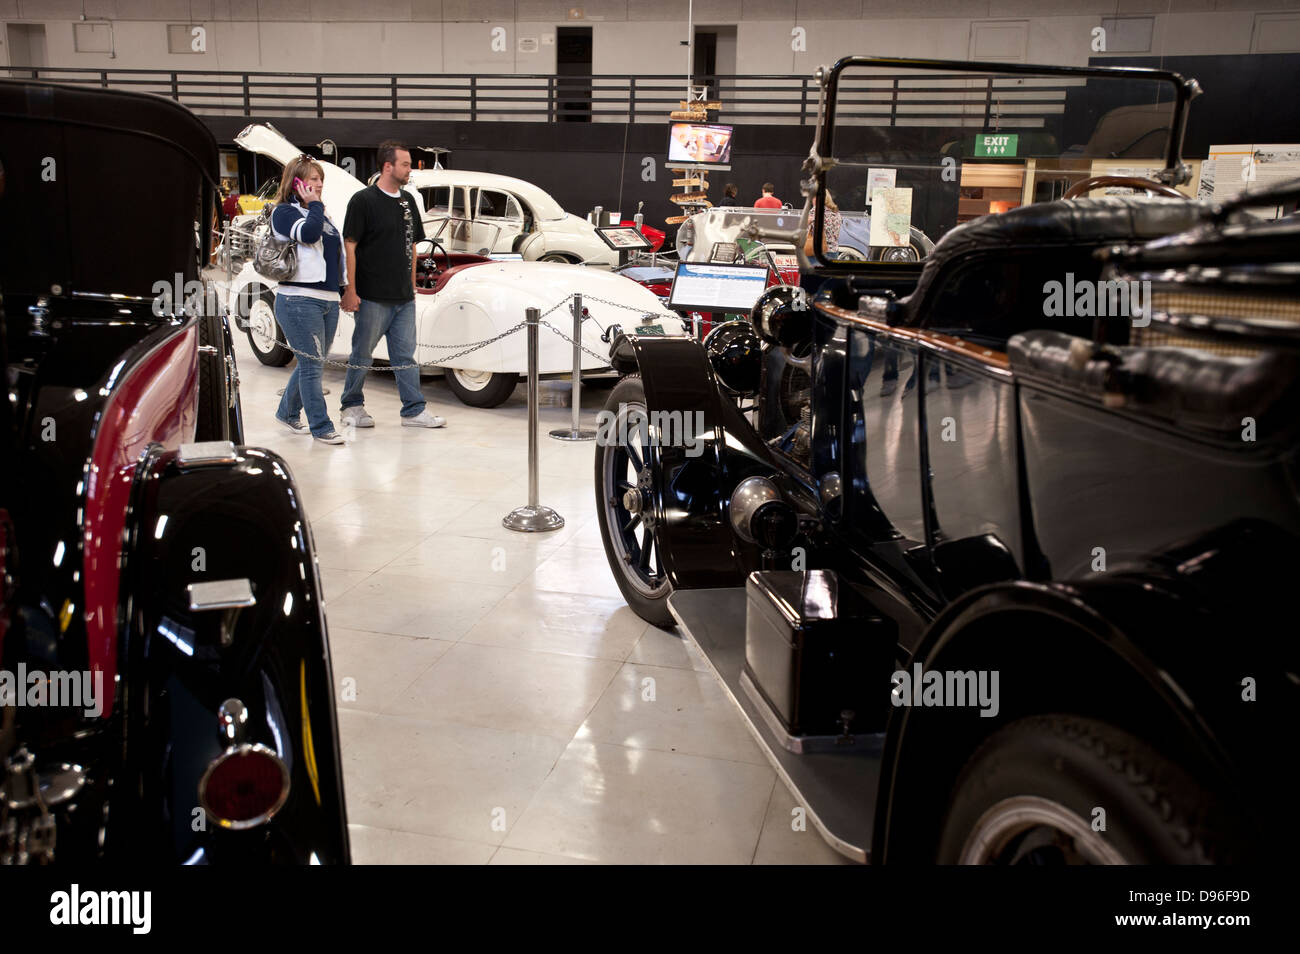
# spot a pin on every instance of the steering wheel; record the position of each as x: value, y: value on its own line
x: 1127, y: 182
x: 435, y: 245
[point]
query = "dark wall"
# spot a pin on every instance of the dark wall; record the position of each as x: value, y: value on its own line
x: 581, y: 164
x: 586, y: 164
x: 1246, y: 99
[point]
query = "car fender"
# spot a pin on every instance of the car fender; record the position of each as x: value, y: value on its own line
x: 1108, y: 648
x: 491, y: 298
x: 694, y: 484
x: 450, y: 318
x: 236, y: 517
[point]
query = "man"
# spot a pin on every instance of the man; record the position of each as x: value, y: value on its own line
x: 230, y: 200
x: 380, y: 231
x: 768, y: 201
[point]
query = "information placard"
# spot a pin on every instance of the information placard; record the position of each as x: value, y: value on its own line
x: 700, y: 286
x: 624, y: 238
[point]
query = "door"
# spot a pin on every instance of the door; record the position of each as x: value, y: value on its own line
x: 885, y: 507
x: 573, y: 74
x: 26, y: 48
x: 715, y: 57
x: 499, y: 218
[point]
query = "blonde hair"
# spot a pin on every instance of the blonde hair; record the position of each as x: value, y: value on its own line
x: 300, y: 168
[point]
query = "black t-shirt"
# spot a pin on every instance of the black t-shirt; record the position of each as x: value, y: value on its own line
x: 385, y: 229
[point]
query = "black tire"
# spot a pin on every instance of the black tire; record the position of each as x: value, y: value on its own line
x: 636, y: 564
x: 492, y: 391
x: 1030, y: 792
x: 273, y: 354
x: 213, y: 422
x: 558, y: 257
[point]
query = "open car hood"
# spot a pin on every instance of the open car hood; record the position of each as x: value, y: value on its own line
x: 340, y: 185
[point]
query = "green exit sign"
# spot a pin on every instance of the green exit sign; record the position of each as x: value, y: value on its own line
x: 996, y: 144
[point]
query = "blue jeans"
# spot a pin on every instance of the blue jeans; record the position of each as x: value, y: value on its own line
x: 374, y: 320
x: 306, y: 321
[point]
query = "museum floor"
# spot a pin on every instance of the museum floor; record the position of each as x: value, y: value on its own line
x: 493, y: 685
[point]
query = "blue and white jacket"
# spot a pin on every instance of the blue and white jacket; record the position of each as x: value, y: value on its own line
x: 322, y: 263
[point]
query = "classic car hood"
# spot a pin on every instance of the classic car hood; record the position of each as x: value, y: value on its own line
x: 609, y: 298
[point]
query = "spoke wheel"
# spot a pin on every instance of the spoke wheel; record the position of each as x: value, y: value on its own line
x: 627, y: 505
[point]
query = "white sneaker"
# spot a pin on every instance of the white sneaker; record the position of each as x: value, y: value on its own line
x: 357, y: 416
x: 296, y: 425
x: 424, y: 419
x: 333, y: 437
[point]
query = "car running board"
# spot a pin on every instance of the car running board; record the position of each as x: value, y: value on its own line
x: 835, y: 785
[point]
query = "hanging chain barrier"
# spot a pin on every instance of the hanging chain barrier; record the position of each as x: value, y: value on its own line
x: 464, y: 348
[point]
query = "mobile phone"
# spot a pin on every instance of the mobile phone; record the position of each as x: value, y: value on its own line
x: 297, y: 183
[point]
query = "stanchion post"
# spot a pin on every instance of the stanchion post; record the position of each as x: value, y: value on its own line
x: 533, y: 517
x: 576, y: 433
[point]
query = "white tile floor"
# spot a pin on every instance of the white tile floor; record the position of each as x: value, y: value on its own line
x: 491, y: 682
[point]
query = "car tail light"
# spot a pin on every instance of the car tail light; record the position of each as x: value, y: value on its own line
x: 244, y: 787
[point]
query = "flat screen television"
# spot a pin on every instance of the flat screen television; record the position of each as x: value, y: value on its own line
x: 699, y: 143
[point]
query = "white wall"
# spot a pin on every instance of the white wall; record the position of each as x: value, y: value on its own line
x: 641, y: 37
x: 630, y: 36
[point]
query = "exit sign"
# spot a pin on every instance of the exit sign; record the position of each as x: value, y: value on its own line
x: 996, y: 144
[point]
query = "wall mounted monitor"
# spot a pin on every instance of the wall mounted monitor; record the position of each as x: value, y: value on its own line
x: 699, y: 143
x: 700, y: 286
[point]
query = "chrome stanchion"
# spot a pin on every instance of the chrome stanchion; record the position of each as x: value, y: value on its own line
x: 534, y: 517
x: 576, y: 433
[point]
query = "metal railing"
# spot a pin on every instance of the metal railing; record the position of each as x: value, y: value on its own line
x: 886, y: 99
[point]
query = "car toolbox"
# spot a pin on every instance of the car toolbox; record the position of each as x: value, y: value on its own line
x: 816, y: 648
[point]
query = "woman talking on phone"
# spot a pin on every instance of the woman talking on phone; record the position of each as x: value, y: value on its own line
x: 307, y: 305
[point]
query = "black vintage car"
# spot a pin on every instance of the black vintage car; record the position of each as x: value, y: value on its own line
x: 994, y: 552
x: 165, y: 685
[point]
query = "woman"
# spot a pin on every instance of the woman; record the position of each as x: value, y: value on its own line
x: 811, y: 282
x: 831, y: 224
x: 307, y: 306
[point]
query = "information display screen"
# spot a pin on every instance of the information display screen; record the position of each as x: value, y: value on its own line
x: 700, y: 286
x: 708, y: 144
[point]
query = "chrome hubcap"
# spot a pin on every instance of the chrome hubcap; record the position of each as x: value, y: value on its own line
x: 472, y: 380
x: 261, y: 323
x: 1028, y: 829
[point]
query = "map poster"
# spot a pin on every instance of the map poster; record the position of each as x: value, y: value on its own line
x: 878, y: 179
x: 891, y: 218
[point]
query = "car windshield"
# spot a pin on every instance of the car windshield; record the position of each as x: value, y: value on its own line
x: 920, y: 148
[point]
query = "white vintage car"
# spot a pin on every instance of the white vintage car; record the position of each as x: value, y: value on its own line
x: 483, y: 213
x: 726, y: 224
x: 462, y: 299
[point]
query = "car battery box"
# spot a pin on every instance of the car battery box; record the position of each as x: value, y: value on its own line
x: 815, y: 647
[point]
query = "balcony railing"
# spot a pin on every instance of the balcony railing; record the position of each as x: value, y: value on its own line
x: 884, y: 99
